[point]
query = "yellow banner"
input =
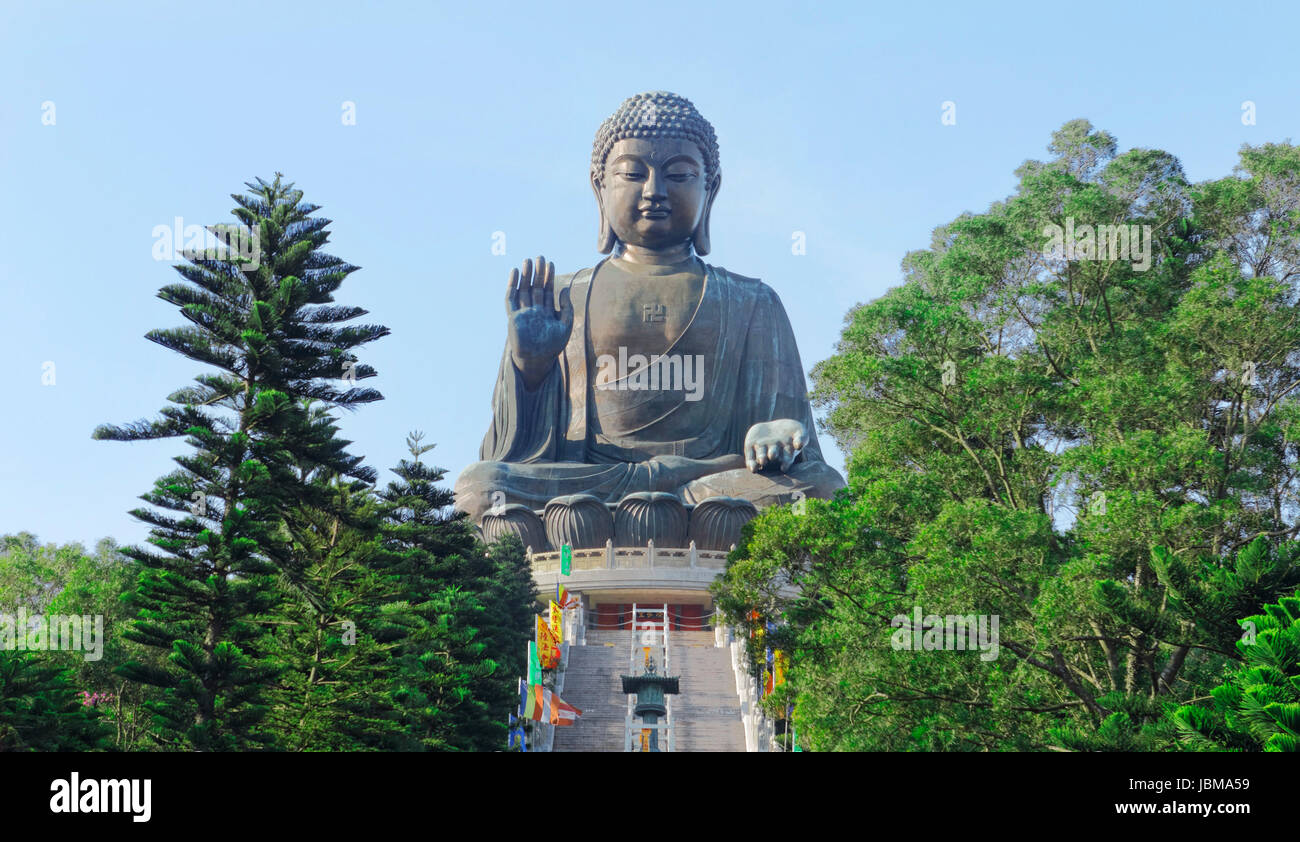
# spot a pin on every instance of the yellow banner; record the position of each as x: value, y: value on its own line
x: 547, y: 646
x: 557, y: 622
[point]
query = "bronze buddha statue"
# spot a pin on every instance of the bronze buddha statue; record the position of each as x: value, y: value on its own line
x: 652, y: 371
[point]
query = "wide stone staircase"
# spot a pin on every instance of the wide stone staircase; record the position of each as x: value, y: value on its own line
x: 706, y: 712
x: 591, y: 684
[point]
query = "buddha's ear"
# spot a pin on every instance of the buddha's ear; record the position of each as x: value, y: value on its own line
x: 701, y: 235
x: 605, y: 238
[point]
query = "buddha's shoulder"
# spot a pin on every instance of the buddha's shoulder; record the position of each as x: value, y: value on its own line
x: 745, y: 284
x: 742, y: 280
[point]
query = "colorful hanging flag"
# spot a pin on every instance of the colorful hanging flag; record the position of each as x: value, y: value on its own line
x: 534, y: 664
x: 539, y: 703
x: 544, y: 704
x: 779, y: 664
x: 547, y: 706
x: 566, y: 559
x: 563, y: 713
x: 517, y: 736
x: 562, y: 596
x: 525, y: 700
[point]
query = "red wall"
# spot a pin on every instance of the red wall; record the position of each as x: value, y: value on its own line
x: 608, y: 617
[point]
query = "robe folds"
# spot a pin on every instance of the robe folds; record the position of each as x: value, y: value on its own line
x: 550, y: 441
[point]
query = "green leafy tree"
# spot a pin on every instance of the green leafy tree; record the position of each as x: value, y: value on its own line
x: 511, y: 599
x: 1026, y: 427
x: 97, y: 585
x: 51, y: 579
x: 31, y: 573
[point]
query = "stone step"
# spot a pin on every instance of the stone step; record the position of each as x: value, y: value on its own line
x: 706, y: 715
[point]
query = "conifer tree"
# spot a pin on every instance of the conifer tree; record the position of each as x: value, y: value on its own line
x: 335, y: 633
x: 1258, y: 707
x: 40, y: 710
x: 267, y: 326
x: 456, y: 671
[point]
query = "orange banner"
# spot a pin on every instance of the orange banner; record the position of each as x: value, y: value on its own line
x: 548, y: 648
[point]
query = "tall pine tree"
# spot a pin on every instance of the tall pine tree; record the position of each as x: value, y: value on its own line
x: 268, y: 328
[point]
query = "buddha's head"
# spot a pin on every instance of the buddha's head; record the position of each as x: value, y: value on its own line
x: 654, y: 169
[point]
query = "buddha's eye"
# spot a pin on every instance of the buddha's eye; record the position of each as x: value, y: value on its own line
x: 633, y: 175
x: 682, y: 176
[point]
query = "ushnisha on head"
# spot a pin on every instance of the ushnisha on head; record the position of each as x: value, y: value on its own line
x: 655, y: 172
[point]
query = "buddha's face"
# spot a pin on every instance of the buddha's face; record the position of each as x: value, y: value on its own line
x: 654, y: 191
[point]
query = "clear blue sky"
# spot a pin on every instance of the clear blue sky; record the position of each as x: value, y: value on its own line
x: 478, y: 117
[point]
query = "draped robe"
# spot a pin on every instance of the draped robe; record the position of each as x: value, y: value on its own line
x: 549, y: 441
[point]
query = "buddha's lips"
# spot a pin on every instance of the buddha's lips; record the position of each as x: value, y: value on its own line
x: 656, y: 213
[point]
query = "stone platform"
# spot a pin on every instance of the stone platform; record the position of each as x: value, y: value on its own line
x: 650, y: 543
x: 660, y: 574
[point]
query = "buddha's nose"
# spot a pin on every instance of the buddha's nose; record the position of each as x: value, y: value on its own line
x: 654, y: 187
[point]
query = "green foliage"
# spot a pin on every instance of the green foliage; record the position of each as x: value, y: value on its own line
x: 1214, y: 593
x: 40, y: 710
x: 400, y: 632
x: 466, y: 613
x: 1101, y: 451
x: 50, y: 579
x: 285, y: 603
x: 1258, y: 707
x: 330, y: 634
x: 32, y: 574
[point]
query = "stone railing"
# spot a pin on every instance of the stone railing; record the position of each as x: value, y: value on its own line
x: 760, y: 731
x: 575, y: 626
x: 631, y: 558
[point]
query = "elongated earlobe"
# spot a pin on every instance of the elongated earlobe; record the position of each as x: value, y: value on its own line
x: 700, y: 238
x: 605, y: 238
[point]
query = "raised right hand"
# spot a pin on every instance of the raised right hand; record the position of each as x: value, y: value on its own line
x: 537, y: 331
